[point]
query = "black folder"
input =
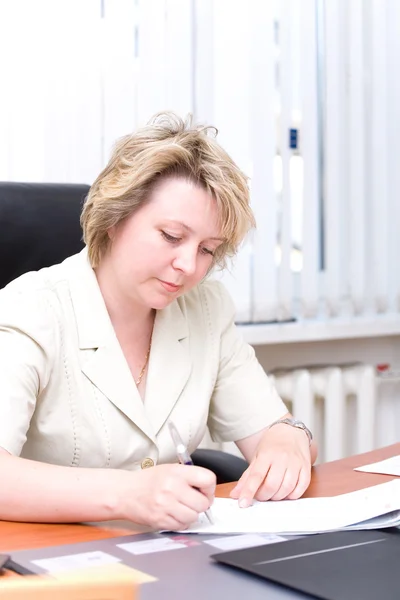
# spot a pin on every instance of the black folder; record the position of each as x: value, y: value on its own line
x: 343, y: 565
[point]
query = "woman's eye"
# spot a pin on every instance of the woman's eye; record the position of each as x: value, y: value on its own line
x: 170, y: 238
x: 176, y: 240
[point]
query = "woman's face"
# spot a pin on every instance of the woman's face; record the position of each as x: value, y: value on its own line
x: 167, y: 246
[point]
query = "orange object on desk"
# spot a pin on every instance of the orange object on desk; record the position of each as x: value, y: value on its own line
x: 85, y: 585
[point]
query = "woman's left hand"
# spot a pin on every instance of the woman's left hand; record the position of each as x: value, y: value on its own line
x: 280, y: 468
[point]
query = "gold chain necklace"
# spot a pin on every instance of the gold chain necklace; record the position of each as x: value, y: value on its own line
x: 139, y: 379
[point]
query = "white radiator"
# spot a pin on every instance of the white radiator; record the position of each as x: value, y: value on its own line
x: 337, y: 402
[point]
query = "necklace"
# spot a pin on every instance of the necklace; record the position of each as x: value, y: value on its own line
x: 139, y: 379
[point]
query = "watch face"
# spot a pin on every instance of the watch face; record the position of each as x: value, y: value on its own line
x: 301, y: 425
x: 296, y: 423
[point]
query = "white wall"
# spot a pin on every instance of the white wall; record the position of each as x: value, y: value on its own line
x: 77, y: 74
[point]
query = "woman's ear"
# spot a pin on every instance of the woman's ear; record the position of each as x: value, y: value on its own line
x: 111, y: 233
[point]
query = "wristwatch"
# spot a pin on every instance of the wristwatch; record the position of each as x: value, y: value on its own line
x: 294, y: 423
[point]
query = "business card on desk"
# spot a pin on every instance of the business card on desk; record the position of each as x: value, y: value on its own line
x: 390, y: 466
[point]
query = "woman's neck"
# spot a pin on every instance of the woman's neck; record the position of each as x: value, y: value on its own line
x: 125, y: 314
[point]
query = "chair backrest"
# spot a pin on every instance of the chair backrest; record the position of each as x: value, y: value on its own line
x: 39, y: 226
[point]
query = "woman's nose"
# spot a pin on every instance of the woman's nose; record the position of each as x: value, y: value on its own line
x: 186, y: 260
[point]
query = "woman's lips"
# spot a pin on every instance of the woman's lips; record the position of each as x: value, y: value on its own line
x: 170, y: 287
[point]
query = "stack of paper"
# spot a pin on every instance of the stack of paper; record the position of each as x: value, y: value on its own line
x: 369, y: 508
x: 390, y: 466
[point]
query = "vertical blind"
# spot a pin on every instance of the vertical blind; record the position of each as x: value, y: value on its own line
x: 304, y: 94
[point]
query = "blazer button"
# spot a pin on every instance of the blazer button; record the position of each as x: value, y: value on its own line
x: 147, y: 462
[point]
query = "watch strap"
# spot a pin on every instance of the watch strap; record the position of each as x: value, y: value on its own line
x: 294, y: 423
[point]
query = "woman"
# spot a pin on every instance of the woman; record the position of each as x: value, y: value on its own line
x: 99, y: 352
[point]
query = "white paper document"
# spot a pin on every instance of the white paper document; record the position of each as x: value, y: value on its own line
x: 390, y: 466
x: 369, y: 508
x: 247, y: 540
x: 152, y: 545
x: 71, y: 562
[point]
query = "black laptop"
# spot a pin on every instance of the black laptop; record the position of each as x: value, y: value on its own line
x: 343, y: 565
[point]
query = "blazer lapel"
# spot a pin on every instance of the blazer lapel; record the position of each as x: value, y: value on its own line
x: 169, y: 364
x: 106, y: 367
x: 108, y: 370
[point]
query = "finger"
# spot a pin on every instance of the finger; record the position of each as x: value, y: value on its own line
x: 184, y: 515
x: 235, y: 492
x: 170, y: 523
x: 208, y: 493
x: 272, y: 482
x: 288, y: 484
x: 302, y: 484
x: 200, y: 478
x: 195, y: 499
x: 253, y: 481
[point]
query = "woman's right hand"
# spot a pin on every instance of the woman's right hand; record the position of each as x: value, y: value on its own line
x: 165, y: 496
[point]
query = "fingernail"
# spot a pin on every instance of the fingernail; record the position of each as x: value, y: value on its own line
x: 244, y: 503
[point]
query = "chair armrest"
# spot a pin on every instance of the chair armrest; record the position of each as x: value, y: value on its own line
x: 226, y: 467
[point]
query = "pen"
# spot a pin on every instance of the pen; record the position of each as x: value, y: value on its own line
x: 184, y: 456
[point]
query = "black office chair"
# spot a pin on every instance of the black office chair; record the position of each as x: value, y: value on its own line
x: 227, y: 467
x: 39, y: 227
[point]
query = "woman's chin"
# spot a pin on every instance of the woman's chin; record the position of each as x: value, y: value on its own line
x: 160, y: 302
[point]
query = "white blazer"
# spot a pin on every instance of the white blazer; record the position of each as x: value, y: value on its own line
x: 67, y: 395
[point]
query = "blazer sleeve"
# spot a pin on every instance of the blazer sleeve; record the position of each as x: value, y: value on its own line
x: 27, y: 342
x: 244, y: 400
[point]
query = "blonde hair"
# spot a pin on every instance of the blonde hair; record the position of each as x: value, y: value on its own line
x: 166, y: 147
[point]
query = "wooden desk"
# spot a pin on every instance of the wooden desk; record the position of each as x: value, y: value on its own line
x: 328, y: 479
